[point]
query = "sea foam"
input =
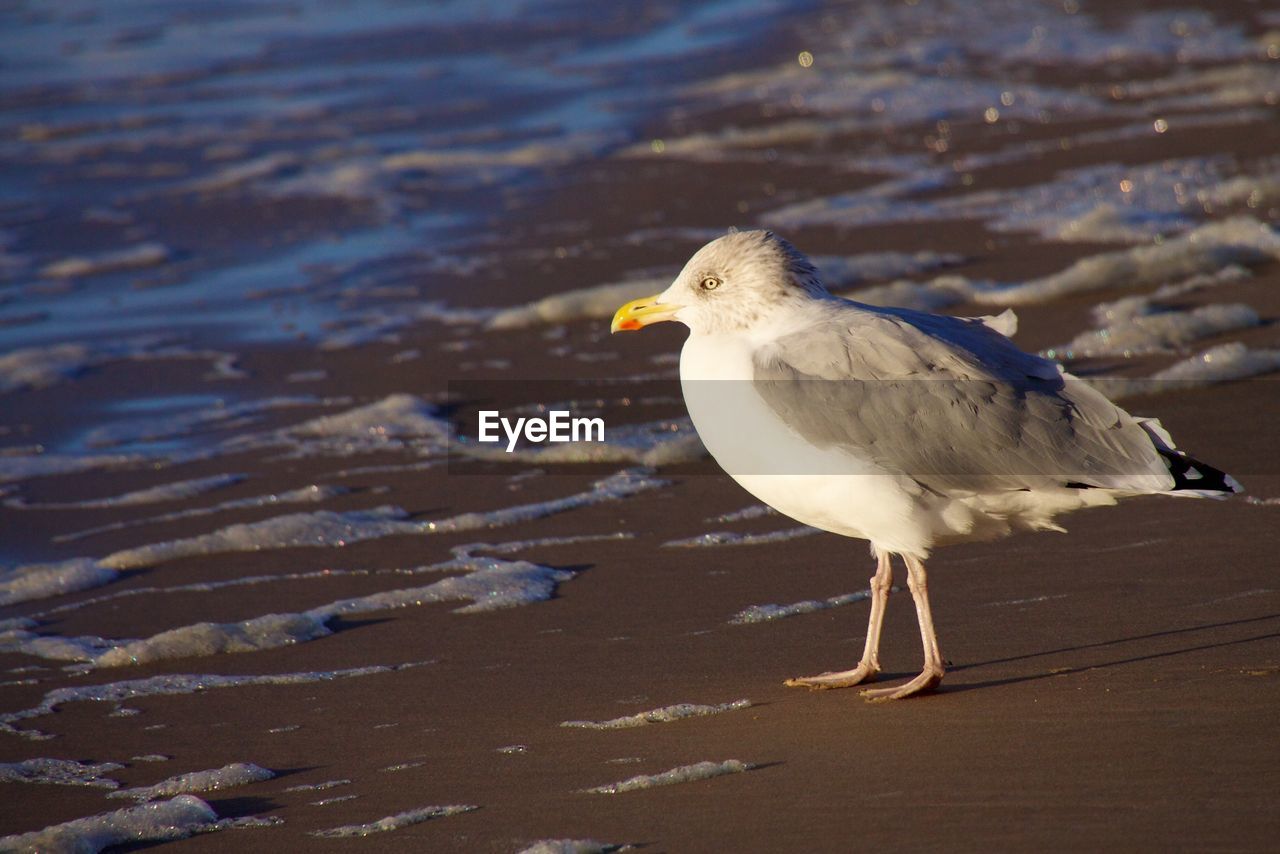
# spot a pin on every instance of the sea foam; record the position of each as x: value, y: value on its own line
x: 183, y: 816
x: 41, y: 580
x: 1241, y: 240
x: 666, y: 714
x: 327, y: 529
x: 395, y: 822
x: 229, y: 776
x: 768, y: 613
x: 60, y: 772
x: 682, y: 774
x: 176, y: 491
x: 1155, y: 331
x: 178, y: 683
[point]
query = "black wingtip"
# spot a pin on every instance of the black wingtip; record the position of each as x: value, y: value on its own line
x: 1190, y: 474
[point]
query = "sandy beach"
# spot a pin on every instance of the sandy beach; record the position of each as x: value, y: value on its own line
x: 245, y: 526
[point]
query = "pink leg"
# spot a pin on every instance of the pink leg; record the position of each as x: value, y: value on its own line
x: 933, y: 670
x: 869, y: 666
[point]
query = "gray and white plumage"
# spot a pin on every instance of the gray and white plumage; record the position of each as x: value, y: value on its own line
x: 908, y: 429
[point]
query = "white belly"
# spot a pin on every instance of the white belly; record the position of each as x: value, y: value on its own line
x: 823, y: 487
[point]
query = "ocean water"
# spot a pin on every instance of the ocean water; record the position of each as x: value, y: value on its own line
x: 307, y: 218
x: 268, y: 164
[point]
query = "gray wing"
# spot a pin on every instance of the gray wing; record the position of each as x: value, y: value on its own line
x: 952, y: 404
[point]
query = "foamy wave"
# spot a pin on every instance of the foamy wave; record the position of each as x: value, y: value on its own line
x: 1210, y: 247
x: 682, y: 774
x: 326, y: 529
x: 600, y: 301
x: 266, y: 632
x: 176, y: 491
x: 320, y: 529
x: 172, y: 684
x: 489, y: 583
x: 768, y: 613
x: 1108, y: 202
x: 313, y: 494
x: 185, y: 815
x: 41, y: 580
x: 215, y: 779
x: 1226, y: 362
x: 666, y: 714
x: 132, y: 258
x: 569, y: 846
x: 394, y: 822
x: 393, y: 416
x: 24, y: 467
x: 1158, y: 331
x: 729, y: 538
x: 60, y: 772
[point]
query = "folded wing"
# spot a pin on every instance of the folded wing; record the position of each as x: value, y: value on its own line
x: 952, y: 404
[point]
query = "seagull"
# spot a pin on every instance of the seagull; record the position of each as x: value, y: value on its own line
x: 907, y: 429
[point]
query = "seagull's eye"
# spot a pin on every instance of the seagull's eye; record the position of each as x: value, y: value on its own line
x: 709, y: 283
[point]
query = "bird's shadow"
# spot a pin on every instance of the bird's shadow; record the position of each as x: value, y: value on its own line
x: 1011, y: 680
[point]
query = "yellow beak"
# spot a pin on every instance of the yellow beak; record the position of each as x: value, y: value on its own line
x: 641, y: 312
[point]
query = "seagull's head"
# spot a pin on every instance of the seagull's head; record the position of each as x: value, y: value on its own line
x: 729, y: 285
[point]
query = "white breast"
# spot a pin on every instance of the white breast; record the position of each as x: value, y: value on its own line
x: 825, y: 488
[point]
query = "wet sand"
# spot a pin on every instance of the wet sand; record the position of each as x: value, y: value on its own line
x: 1110, y: 689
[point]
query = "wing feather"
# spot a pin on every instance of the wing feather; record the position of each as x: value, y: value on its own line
x: 951, y: 403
